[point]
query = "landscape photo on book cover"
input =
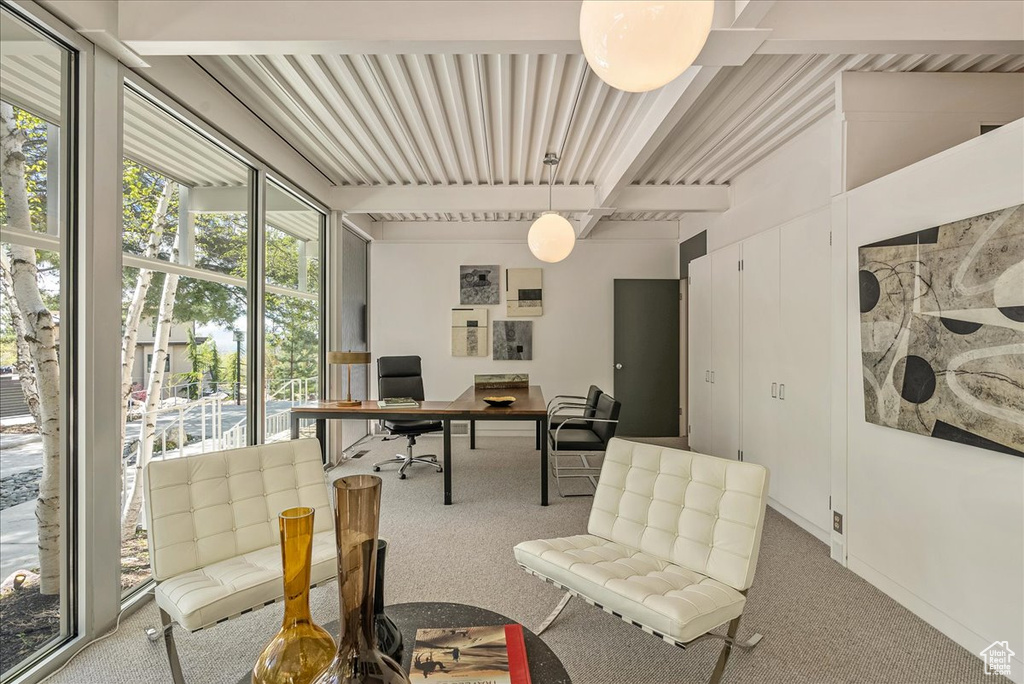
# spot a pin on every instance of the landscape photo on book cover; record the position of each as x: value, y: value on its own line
x: 467, y: 655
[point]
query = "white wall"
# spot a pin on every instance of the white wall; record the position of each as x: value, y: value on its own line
x: 414, y: 286
x: 938, y: 526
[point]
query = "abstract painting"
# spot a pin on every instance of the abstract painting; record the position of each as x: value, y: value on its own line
x: 513, y: 340
x: 942, y: 331
x: 524, y: 291
x: 469, y: 332
x: 478, y: 285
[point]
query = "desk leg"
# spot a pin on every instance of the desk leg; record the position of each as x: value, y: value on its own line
x: 536, y: 437
x: 472, y: 434
x: 321, y: 435
x: 542, y: 428
x: 295, y: 426
x: 447, y: 462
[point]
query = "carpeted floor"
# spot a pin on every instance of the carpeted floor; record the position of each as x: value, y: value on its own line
x: 821, y: 623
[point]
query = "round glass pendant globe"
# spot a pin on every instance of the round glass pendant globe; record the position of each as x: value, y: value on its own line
x: 551, y: 238
x: 639, y: 46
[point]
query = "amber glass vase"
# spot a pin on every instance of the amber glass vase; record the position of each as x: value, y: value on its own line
x: 301, y: 649
x: 358, y: 660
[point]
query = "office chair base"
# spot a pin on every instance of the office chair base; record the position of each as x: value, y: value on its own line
x: 407, y: 460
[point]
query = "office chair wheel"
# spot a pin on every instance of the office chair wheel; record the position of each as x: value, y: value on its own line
x: 376, y: 469
x: 401, y: 476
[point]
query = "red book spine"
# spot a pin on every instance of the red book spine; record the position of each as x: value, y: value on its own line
x: 518, y: 668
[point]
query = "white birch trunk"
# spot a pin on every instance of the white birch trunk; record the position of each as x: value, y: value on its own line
x: 134, y: 316
x: 23, y: 364
x: 41, y: 337
x: 165, y: 319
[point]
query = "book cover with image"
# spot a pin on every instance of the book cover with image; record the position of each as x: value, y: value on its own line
x: 470, y: 655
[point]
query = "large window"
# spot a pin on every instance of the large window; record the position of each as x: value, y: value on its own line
x: 185, y: 305
x: 292, y: 319
x: 36, y: 340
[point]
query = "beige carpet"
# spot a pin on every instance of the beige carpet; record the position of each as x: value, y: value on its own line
x: 821, y: 623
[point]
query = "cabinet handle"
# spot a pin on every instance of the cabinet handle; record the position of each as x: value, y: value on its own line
x: 775, y: 387
x: 782, y: 391
x: 707, y: 376
x: 712, y: 377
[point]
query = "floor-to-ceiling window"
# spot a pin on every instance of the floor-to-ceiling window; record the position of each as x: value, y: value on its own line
x: 292, y: 310
x: 186, y: 243
x: 37, y: 339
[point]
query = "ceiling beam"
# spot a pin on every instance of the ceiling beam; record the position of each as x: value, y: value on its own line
x: 425, y: 199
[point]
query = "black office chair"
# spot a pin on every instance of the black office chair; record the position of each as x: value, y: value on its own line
x: 400, y: 376
x: 582, y: 437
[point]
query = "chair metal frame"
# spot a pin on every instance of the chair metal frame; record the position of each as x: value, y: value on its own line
x: 407, y: 459
x: 586, y: 469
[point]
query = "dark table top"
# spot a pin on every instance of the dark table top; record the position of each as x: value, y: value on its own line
x: 529, y: 401
x: 545, y: 667
x: 470, y: 404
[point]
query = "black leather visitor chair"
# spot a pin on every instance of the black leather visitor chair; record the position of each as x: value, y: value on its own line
x: 564, y: 406
x: 583, y: 438
x: 401, y: 376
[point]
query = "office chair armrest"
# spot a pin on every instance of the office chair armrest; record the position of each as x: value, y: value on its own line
x: 563, y: 396
x: 565, y: 405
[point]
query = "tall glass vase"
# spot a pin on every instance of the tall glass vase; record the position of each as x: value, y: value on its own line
x: 302, y: 648
x: 358, y: 660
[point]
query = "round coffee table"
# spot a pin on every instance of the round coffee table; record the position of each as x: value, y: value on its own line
x: 544, y: 664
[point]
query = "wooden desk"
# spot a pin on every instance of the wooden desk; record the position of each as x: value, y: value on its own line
x: 529, y: 406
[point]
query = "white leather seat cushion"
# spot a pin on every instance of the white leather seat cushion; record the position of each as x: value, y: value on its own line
x: 679, y: 603
x: 224, y: 589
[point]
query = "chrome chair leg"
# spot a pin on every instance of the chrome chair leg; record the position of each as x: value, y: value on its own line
x: 723, y: 657
x: 554, y: 614
x: 407, y: 459
x: 172, y: 651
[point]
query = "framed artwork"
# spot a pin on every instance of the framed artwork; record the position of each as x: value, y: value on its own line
x: 942, y: 331
x: 478, y: 285
x: 513, y: 340
x: 524, y: 291
x: 469, y: 332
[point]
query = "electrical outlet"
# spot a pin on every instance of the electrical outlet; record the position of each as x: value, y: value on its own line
x: 837, y: 521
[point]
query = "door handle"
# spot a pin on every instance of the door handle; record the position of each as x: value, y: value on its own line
x: 712, y: 377
x: 782, y: 391
x: 707, y: 376
x: 775, y: 386
x: 618, y: 366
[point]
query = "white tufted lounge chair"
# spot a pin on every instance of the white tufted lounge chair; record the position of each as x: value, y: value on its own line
x: 214, y: 540
x: 671, y: 548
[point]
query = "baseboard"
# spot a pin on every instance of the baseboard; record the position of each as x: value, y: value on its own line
x: 940, y: 620
x: 824, y: 536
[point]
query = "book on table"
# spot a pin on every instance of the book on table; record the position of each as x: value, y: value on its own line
x: 471, y: 655
x: 398, y: 402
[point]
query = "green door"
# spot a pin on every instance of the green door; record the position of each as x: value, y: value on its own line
x: 647, y: 357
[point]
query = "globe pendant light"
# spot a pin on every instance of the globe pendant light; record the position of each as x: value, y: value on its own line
x: 639, y: 46
x: 551, y: 237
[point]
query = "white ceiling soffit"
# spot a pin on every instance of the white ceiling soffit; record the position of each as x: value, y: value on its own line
x: 437, y: 119
x: 752, y: 110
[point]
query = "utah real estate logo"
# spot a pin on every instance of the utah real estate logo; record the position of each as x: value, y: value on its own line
x: 997, y: 658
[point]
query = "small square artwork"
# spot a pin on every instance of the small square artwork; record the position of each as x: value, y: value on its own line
x: 479, y: 285
x: 469, y: 332
x: 942, y: 331
x: 524, y: 291
x: 513, y: 340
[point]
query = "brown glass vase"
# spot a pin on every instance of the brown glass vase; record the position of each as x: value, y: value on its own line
x: 358, y: 660
x: 301, y: 649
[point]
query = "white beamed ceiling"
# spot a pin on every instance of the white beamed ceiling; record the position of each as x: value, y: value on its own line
x: 750, y: 111
x: 436, y: 119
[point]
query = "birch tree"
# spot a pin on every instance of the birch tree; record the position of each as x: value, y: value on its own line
x: 39, y: 332
x: 161, y: 339
x: 23, y: 363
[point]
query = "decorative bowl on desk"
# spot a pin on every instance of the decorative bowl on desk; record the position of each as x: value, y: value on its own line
x: 499, y: 401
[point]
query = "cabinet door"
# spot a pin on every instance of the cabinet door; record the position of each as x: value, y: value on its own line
x: 725, y: 352
x: 760, y: 352
x: 805, y: 342
x: 699, y: 363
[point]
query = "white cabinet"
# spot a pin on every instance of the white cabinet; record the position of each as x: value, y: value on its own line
x: 804, y: 483
x: 725, y: 352
x: 759, y: 383
x: 699, y: 362
x: 760, y: 352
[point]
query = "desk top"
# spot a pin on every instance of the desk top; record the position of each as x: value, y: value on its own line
x: 529, y: 402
